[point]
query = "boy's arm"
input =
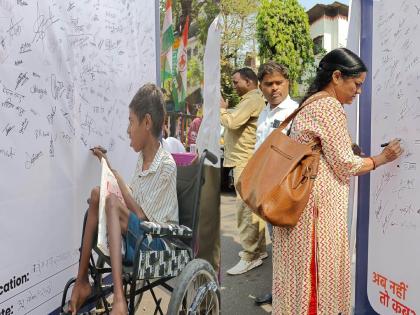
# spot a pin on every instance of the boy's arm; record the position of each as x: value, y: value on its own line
x: 128, y: 197
x: 131, y: 203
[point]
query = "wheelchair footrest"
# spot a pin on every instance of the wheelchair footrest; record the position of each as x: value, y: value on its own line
x: 162, y: 263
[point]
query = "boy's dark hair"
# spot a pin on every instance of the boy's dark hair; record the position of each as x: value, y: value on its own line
x: 149, y: 100
x: 247, y: 73
x: 271, y: 67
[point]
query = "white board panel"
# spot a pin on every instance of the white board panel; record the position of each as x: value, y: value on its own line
x: 394, y: 231
x: 68, y: 70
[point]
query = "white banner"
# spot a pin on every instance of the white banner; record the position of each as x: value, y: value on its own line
x: 209, y: 133
x: 68, y: 70
x: 394, y: 216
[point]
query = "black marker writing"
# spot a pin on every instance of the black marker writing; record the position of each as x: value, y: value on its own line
x: 31, y: 159
x: 42, y: 23
x: 8, y: 128
x: 9, y: 153
x: 21, y: 80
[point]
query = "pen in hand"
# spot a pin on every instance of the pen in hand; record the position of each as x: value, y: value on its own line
x: 383, y: 145
x: 100, y: 149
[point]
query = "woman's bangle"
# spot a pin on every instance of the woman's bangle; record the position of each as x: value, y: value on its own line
x: 373, y: 162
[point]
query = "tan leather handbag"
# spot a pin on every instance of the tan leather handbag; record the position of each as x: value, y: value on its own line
x: 278, y: 179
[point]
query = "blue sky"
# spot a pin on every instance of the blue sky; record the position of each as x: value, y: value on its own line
x: 307, y: 4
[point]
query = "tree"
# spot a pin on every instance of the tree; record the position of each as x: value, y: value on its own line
x: 238, y: 25
x: 238, y: 28
x: 283, y: 35
x: 201, y: 12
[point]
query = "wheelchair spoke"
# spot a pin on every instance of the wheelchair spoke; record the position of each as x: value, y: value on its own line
x: 198, y: 293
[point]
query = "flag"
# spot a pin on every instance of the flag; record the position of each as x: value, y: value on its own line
x: 182, y: 67
x: 166, y: 44
x: 174, y: 83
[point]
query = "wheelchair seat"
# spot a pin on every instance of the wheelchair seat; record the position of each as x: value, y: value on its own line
x: 156, y: 267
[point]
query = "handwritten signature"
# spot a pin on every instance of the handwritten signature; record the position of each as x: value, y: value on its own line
x: 9, y: 153
x: 31, y: 159
x: 42, y: 23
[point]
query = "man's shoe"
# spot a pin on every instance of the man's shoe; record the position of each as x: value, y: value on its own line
x: 262, y: 255
x: 265, y: 299
x: 244, y: 266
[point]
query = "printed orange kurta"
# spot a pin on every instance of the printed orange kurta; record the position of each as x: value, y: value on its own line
x: 326, y: 212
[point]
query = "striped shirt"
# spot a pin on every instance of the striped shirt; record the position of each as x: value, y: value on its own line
x: 154, y: 189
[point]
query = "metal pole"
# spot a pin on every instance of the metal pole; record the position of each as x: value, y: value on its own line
x: 362, y: 305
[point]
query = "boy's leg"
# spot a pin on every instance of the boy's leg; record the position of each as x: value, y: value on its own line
x: 82, y: 288
x: 117, y: 222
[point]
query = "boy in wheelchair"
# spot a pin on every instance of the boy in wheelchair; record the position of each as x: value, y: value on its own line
x: 152, y: 198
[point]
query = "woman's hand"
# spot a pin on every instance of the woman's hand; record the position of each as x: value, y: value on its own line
x: 393, y: 150
x: 390, y: 153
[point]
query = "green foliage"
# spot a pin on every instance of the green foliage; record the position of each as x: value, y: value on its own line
x: 207, y: 13
x: 238, y: 18
x: 195, y: 70
x: 201, y: 13
x: 283, y: 35
x: 238, y: 27
x: 228, y: 92
x: 310, y: 72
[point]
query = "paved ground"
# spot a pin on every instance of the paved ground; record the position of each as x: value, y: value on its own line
x: 237, y: 292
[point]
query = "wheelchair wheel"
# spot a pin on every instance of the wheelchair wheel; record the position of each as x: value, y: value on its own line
x: 196, y: 290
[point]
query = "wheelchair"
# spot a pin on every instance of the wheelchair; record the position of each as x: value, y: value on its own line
x: 193, y: 283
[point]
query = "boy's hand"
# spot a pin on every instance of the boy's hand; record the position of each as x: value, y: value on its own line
x: 100, y: 153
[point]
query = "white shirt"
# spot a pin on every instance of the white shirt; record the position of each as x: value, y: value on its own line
x: 173, y: 145
x: 268, y: 116
x: 155, y: 188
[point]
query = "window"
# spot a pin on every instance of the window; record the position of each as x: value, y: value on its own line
x: 318, y: 45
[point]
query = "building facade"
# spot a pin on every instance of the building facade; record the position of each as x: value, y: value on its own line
x: 328, y: 26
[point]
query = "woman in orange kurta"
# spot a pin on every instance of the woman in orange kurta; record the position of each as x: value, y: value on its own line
x: 311, y: 263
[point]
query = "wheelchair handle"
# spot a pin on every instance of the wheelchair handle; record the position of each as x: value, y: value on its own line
x: 210, y: 156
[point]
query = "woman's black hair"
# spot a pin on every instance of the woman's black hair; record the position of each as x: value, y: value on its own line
x: 149, y: 100
x: 342, y: 59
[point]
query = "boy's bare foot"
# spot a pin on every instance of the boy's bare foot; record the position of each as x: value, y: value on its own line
x: 119, y: 307
x: 81, y: 291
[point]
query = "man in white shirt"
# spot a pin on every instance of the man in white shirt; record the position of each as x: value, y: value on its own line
x: 274, y: 84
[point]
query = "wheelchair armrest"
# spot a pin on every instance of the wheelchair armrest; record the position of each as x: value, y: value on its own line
x: 160, y: 229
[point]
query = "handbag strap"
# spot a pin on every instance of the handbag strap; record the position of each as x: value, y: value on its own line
x: 311, y: 99
x: 315, y: 145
